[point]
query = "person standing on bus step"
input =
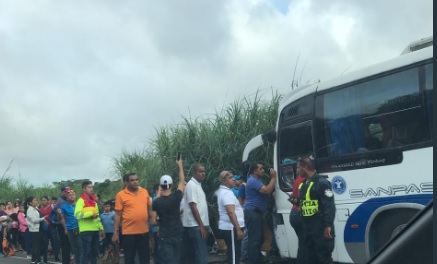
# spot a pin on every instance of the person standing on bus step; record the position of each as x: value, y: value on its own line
x: 318, y: 212
x: 195, y: 217
x: 296, y: 220
x: 166, y: 205
x: 254, y: 209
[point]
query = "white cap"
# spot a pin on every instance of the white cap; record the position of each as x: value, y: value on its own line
x: 166, y: 180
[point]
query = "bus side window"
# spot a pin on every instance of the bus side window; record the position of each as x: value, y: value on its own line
x: 373, y: 136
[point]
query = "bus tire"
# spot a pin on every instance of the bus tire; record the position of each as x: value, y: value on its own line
x: 386, y: 225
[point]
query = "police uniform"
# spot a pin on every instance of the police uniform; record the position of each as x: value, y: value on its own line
x: 318, y: 211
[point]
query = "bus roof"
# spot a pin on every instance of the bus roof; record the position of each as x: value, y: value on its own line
x: 400, y: 61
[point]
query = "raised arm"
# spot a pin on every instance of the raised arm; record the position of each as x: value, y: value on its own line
x: 268, y: 189
x: 182, y: 183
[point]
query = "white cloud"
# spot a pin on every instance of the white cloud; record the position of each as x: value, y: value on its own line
x: 81, y: 80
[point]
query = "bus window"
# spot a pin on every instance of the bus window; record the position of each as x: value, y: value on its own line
x: 372, y: 115
x: 294, y: 141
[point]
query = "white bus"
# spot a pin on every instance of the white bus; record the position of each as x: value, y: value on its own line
x: 371, y: 133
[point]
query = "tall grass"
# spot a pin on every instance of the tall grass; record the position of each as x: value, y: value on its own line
x: 217, y: 142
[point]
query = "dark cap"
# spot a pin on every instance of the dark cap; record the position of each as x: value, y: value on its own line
x: 65, y: 188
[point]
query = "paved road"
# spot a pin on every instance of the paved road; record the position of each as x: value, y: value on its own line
x: 20, y: 258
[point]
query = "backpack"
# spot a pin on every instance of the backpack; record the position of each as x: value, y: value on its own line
x: 53, y: 217
x: 111, y: 255
x: 6, y: 248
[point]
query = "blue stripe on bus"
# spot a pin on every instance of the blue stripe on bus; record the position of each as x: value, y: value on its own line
x: 363, y: 212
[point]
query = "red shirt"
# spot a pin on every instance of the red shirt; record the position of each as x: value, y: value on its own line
x: 46, y: 211
x: 299, y: 179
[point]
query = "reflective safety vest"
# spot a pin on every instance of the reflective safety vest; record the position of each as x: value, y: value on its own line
x: 308, y: 207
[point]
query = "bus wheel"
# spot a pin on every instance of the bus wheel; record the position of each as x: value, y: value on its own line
x: 386, y: 225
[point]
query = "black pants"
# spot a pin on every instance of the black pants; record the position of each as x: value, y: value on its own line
x: 37, y: 246
x: 187, y: 255
x: 319, y: 250
x: 136, y: 244
x: 107, y: 241
x: 64, y: 244
x: 44, y: 245
x: 170, y: 249
x: 13, y: 237
x: 227, y: 237
x: 296, y: 223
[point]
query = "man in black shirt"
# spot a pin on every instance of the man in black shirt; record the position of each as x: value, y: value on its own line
x: 166, y: 205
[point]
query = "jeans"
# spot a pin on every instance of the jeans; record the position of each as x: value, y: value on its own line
x: 200, y: 247
x: 157, y: 259
x: 136, y: 244
x: 64, y: 243
x: 244, y: 245
x: 90, y: 246
x: 76, y: 244
x: 253, y: 221
x: 187, y: 256
x: 53, y: 237
x: 296, y: 223
x: 231, y: 249
x: 170, y: 249
x: 27, y: 238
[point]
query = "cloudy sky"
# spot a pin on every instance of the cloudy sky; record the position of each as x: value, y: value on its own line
x: 80, y: 81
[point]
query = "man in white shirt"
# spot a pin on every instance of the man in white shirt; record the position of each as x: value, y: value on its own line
x: 231, y: 217
x: 195, y: 217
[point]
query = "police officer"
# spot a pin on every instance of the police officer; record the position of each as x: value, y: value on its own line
x: 318, y: 212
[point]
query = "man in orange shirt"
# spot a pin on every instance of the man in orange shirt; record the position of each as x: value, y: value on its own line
x: 134, y: 206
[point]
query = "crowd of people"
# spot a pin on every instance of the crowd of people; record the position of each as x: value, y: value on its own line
x: 79, y: 228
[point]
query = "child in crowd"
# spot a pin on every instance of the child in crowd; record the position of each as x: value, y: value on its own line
x: 107, y: 218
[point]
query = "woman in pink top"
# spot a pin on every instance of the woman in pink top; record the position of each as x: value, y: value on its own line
x: 24, y: 231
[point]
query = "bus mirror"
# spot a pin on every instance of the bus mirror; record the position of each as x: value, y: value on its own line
x: 269, y: 136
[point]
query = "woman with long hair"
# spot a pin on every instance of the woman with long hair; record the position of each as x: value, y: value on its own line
x: 34, y: 219
x: 26, y: 242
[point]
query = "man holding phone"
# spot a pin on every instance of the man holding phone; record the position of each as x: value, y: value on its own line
x: 166, y: 206
x: 254, y: 209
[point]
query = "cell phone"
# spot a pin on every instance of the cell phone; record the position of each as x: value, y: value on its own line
x: 179, y: 156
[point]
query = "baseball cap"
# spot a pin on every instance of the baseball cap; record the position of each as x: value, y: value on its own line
x: 166, y: 180
x: 65, y: 189
x: 237, y: 177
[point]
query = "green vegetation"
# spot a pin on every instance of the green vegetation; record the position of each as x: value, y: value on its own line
x: 216, y: 141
